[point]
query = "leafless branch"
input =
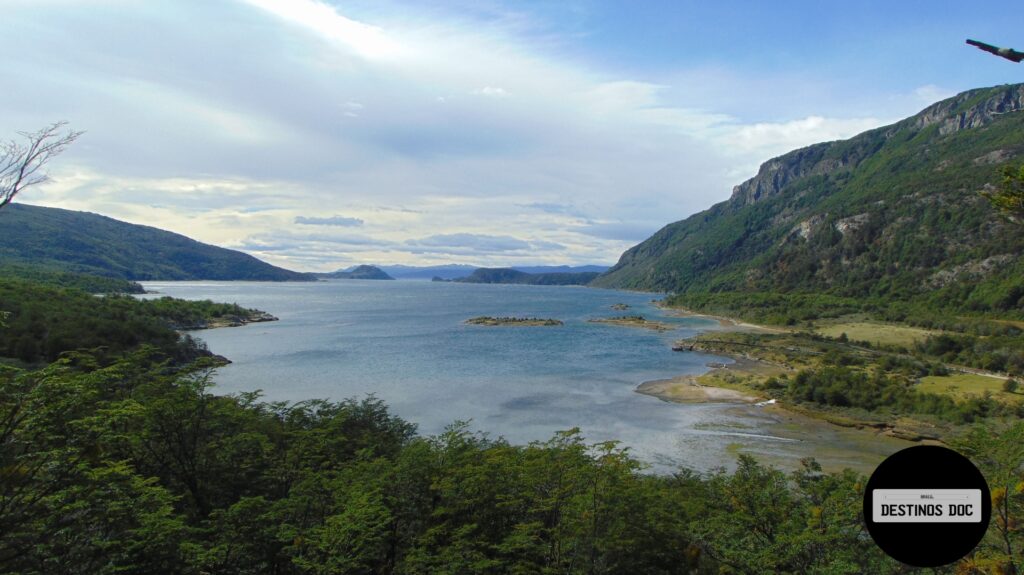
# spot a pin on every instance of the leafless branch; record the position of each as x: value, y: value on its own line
x: 20, y: 162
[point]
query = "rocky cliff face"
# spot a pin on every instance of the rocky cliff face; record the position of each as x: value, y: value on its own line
x: 776, y: 173
x: 968, y: 110
x: 972, y: 109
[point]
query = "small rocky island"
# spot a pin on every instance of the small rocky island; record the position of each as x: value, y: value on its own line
x: 635, y: 321
x: 236, y: 319
x: 531, y: 321
x: 620, y: 306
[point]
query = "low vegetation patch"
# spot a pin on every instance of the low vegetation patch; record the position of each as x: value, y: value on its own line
x: 635, y: 321
x: 862, y: 381
x: 522, y: 321
x: 876, y: 333
x: 962, y: 385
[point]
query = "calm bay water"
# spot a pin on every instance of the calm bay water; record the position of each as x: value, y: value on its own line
x: 406, y: 343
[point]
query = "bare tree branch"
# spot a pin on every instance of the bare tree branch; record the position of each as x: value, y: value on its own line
x: 20, y: 162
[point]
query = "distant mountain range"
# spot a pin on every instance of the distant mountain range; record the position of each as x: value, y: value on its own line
x: 93, y: 244
x: 53, y: 240
x: 452, y: 271
x: 514, y: 276
x: 400, y: 272
x: 892, y: 215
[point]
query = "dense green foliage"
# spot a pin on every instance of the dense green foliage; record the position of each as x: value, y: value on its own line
x: 134, y: 468
x: 60, y: 278
x: 890, y: 217
x: 842, y: 386
x: 45, y: 321
x: 512, y: 276
x: 131, y: 468
x: 994, y: 352
x: 93, y: 244
x: 1009, y: 198
x: 770, y: 307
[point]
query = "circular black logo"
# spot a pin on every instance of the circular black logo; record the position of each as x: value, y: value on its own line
x: 927, y: 506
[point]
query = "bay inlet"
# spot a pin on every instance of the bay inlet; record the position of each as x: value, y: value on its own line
x: 406, y: 343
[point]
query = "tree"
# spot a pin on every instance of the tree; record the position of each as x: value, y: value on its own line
x: 1009, y: 198
x: 20, y: 162
x: 999, y: 454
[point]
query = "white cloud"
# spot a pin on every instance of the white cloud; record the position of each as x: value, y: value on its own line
x: 476, y: 242
x: 352, y: 109
x: 340, y: 221
x: 766, y: 140
x: 491, y: 92
x: 368, y: 41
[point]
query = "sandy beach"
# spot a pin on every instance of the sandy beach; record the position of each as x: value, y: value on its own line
x: 686, y: 389
x: 689, y: 389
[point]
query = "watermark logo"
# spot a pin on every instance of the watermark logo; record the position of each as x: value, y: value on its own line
x: 927, y: 506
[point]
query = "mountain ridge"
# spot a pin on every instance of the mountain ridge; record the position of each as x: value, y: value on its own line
x: 892, y: 214
x: 86, y: 242
x: 453, y: 271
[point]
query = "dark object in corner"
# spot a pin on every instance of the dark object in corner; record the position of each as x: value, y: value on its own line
x: 1008, y: 53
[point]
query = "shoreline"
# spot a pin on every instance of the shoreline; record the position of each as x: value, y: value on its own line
x: 690, y: 389
x: 724, y: 323
x: 693, y: 388
x: 225, y: 321
x: 730, y: 384
x: 687, y: 389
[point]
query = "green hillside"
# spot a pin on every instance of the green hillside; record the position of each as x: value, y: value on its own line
x: 893, y: 215
x: 89, y: 243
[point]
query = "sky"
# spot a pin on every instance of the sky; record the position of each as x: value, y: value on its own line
x: 320, y: 134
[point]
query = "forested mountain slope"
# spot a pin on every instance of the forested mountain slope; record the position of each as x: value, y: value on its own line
x: 84, y: 242
x: 892, y: 215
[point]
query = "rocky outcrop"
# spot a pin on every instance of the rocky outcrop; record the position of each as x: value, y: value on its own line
x: 805, y: 229
x: 994, y: 157
x: 972, y: 109
x: 224, y: 321
x: 852, y: 223
x: 969, y: 270
x: 776, y: 173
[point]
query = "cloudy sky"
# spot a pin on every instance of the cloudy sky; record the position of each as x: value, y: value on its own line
x: 317, y: 134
